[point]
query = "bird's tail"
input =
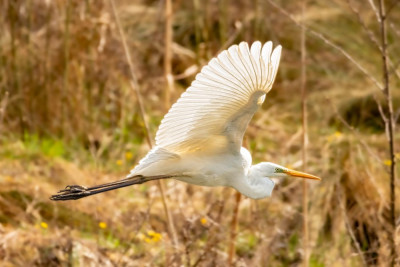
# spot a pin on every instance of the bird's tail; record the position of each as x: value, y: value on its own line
x: 72, y: 192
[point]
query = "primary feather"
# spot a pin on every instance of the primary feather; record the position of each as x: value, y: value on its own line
x: 219, y: 104
x: 212, y: 115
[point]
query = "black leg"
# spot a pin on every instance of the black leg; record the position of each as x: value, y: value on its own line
x: 72, y: 192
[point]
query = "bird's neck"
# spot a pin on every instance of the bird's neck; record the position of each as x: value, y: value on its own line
x: 254, y: 186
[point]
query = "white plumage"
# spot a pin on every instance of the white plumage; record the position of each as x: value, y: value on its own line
x: 199, y: 141
x: 221, y: 100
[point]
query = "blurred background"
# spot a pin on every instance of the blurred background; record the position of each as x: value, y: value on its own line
x: 69, y: 114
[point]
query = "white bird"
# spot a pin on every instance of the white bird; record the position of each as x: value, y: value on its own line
x: 200, y: 139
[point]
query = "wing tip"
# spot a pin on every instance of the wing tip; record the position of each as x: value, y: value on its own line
x: 268, y: 59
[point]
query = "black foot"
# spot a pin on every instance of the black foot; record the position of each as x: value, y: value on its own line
x: 71, y: 192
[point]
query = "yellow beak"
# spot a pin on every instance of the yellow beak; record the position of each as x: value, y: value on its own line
x: 301, y: 174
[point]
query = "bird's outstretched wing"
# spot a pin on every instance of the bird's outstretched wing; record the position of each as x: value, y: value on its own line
x: 215, y: 110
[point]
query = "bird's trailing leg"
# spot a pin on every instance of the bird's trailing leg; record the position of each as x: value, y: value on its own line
x: 72, y: 192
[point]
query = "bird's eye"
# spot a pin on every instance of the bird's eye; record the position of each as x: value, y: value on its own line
x: 278, y: 170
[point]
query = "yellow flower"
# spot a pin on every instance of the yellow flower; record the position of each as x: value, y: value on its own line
x: 128, y: 155
x: 203, y: 221
x: 44, y: 225
x: 102, y: 225
x: 152, y: 237
x: 338, y: 134
x: 157, y: 237
x: 387, y: 162
x: 335, y: 136
x: 119, y: 162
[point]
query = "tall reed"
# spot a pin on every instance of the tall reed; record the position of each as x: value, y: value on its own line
x: 303, y: 82
x: 135, y: 86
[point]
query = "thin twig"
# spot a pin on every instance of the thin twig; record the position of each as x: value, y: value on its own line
x: 212, y: 233
x: 395, y: 30
x: 389, y: 116
x: 231, y: 253
x: 65, y: 89
x: 135, y: 85
x: 3, y: 107
x: 373, y: 7
x: 329, y: 43
x: 304, y: 137
x: 374, y: 40
x: 356, y: 134
x: 349, y: 229
x: 231, y: 39
x: 391, y: 7
x: 383, y: 116
x: 168, y: 54
x: 394, y: 68
x: 369, y: 33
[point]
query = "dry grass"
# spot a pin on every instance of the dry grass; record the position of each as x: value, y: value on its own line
x: 68, y: 115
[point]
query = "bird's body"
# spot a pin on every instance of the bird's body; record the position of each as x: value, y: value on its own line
x: 195, y: 168
x: 203, y: 169
x: 199, y: 141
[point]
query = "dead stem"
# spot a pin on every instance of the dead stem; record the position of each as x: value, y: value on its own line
x: 329, y: 43
x: 348, y: 227
x: 231, y: 254
x: 390, y: 121
x: 304, y: 138
x: 3, y: 107
x: 135, y: 85
x: 169, y: 79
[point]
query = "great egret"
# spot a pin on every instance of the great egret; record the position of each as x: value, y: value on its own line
x: 200, y: 139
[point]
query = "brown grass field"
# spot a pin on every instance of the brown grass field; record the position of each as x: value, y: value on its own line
x: 69, y: 115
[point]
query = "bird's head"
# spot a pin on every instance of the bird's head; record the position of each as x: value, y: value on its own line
x: 273, y: 170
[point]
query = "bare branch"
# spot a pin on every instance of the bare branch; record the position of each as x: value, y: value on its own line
x: 394, y: 68
x: 396, y: 116
x: 306, y: 252
x: 387, y: 92
x: 372, y: 37
x: 356, y: 133
x: 391, y: 7
x: 329, y: 43
x: 231, y: 253
x: 385, y: 119
x: 396, y: 31
x: 373, y: 7
x: 3, y: 106
x: 168, y: 54
x: 349, y: 229
x: 369, y: 33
